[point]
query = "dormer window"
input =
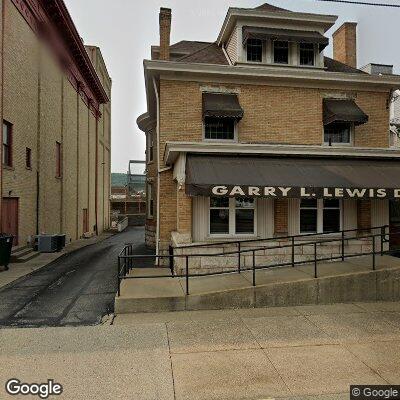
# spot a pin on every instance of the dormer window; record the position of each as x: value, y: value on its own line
x: 281, y: 52
x: 307, y: 54
x: 254, y: 50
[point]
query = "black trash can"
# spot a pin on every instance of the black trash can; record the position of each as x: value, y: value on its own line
x: 6, y: 242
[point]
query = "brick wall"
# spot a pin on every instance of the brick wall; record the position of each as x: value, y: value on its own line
x: 44, y: 108
x: 363, y: 214
x: 345, y: 44
x: 281, y: 217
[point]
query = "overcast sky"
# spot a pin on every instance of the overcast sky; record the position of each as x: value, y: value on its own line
x: 125, y: 30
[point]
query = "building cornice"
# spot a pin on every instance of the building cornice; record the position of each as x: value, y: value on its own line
x: 51, y: 20
x: 174, y: 149
x: 233, y: 14
x: 270, y: 73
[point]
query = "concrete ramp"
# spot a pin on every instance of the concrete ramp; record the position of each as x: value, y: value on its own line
x: 337, y: 282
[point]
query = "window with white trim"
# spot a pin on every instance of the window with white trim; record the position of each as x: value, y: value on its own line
x: 254, y: 50
x: 232, y: 216
x: 150, y: 147
x: 219, y: 128
x: 150, y: 201
x: 320, y: 216
x: 338, y: 133
x: 281, y: 52
x: 307, y: 54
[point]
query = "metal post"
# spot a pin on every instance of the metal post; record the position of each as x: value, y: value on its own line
x: 293, y: 251
x: 254, y: 268
x: 373, y: 253
x: 187, y: 275
x: 118, y: 279
x: 315, y: 261
x: 239, y: 266
x: 342, y: 245
x: 382, y: 237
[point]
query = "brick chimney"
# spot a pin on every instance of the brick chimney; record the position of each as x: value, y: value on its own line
x: 165, y: 32
x: 345, y: 44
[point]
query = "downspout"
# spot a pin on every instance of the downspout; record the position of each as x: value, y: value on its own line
x: 96, y: 177
x: 158, y: 167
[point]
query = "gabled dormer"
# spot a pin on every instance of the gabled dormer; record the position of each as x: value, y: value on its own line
x: 269, y: 35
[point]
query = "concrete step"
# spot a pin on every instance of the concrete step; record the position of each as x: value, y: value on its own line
x: 23, y: 255
x: 351, y: 281
x: 17, y: 249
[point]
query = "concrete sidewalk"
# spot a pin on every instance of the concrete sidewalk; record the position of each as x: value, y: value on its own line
x: 309, y: 352
x: 18, y: 270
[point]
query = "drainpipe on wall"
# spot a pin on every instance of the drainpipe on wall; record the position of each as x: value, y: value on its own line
x: 96, y: 177
x: 158, y: 167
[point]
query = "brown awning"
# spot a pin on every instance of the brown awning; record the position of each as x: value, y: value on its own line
x: 257, y: 176
x: 250, y: 32
x: 221, y: 105
x: 343, y: 111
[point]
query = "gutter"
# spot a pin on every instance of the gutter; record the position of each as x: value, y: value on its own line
x: 270, y: 73
x: 158, y: 167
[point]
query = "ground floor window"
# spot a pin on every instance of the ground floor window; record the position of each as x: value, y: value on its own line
x: 150, y: 201
x: 320, y: 216
x: 229, y: 216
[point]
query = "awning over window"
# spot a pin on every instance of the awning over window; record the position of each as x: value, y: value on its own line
x: 343, y: 111
x: 250, y: 32
x: 210, y: 175
x: 222, y: 105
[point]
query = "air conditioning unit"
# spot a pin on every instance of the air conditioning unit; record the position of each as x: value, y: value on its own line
x: 48, y: 243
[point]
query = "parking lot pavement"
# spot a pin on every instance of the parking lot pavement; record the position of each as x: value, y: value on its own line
x: 309, y: 353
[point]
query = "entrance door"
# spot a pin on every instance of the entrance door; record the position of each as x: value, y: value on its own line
x: 9, y: 218
x: 394, y: 224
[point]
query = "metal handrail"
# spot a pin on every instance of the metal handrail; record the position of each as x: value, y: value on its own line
x: 127, y: 255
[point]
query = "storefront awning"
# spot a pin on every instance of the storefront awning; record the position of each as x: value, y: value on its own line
x: 250, y: 32
x: 343, y: 111
x: 221, y: 105
x: 208, y: 175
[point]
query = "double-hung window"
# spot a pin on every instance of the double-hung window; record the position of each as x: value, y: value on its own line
x: 338, y: 133
x: 320, y: 216
x: 281, y: 52
x: 150, y: 201
x: 150, y: 147
x: 232, y: 216
x: 307, y: 54
x: 7, y: 144
x: 254, y: 50
x: 219, y: 128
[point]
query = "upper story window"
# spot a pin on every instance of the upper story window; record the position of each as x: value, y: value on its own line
x: 254, y: 50
x: 219, y: 128
x: 338, y: 133
x: 28, y: 158
x: 221, y: 112
x: 7, y: 144
x: 307, y: 54
x: 281, y: 52
x: 150, y: 147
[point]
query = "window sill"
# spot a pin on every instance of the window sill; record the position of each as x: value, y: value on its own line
x: 28, y: 168
x: 59, y: 177
x: 8, y: 168
x: 233, y: 238
x: 338, y: 145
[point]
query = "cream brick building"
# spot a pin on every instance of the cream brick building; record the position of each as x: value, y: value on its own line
x: 56, y: 112
x: 231, y: 123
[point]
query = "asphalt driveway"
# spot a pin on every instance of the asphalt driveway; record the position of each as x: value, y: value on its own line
x: 77, y: 289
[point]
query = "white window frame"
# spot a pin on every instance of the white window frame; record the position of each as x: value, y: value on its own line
x: 149, y: 198
x: 262, y: 54
x: 351, y: 142
x: 320, y: 216
x: 299, y: 58
x: 232, y: 222
x: 235, y: 135
x: 273, y: 52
